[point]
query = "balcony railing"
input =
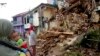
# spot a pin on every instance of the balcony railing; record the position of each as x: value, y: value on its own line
x: 16, y: 23
x: 28, y: 25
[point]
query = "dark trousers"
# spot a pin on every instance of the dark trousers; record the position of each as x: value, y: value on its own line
x: 32, y: 50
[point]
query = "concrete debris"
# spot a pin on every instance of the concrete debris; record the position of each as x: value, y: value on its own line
x: 95, y: 17
x: 71, y: 25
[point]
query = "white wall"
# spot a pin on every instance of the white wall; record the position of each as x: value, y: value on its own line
x: 27, y: 25
x: 36, y: 19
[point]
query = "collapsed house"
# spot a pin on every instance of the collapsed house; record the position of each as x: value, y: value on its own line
x: 72, y: 20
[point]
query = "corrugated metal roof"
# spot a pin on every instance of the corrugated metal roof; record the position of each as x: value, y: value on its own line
x: 21, y: 14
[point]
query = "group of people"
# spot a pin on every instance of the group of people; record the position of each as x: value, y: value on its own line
x: 11, y: 42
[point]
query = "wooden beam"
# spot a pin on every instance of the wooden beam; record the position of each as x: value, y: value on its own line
x: 56, y: 32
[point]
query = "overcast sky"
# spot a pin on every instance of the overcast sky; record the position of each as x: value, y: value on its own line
x: 14, y: 7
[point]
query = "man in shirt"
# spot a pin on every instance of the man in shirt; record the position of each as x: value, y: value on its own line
x: 31, y: 41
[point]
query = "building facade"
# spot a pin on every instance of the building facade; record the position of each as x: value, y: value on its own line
x: 38, y: 17
x: 18, y: 23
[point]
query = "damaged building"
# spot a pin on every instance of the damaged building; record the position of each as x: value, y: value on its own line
x: 72, y: 20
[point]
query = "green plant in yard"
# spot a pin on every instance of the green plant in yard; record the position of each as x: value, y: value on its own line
x: 91, y: 39
x: 95, y: 35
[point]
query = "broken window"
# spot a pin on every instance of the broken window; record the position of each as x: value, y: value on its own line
x: 28, y: 19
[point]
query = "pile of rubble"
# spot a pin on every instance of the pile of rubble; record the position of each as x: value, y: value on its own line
x: 72, y: 23
x: 53, y: 42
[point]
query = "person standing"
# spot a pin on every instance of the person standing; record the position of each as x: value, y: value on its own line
x: 30, y: 34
